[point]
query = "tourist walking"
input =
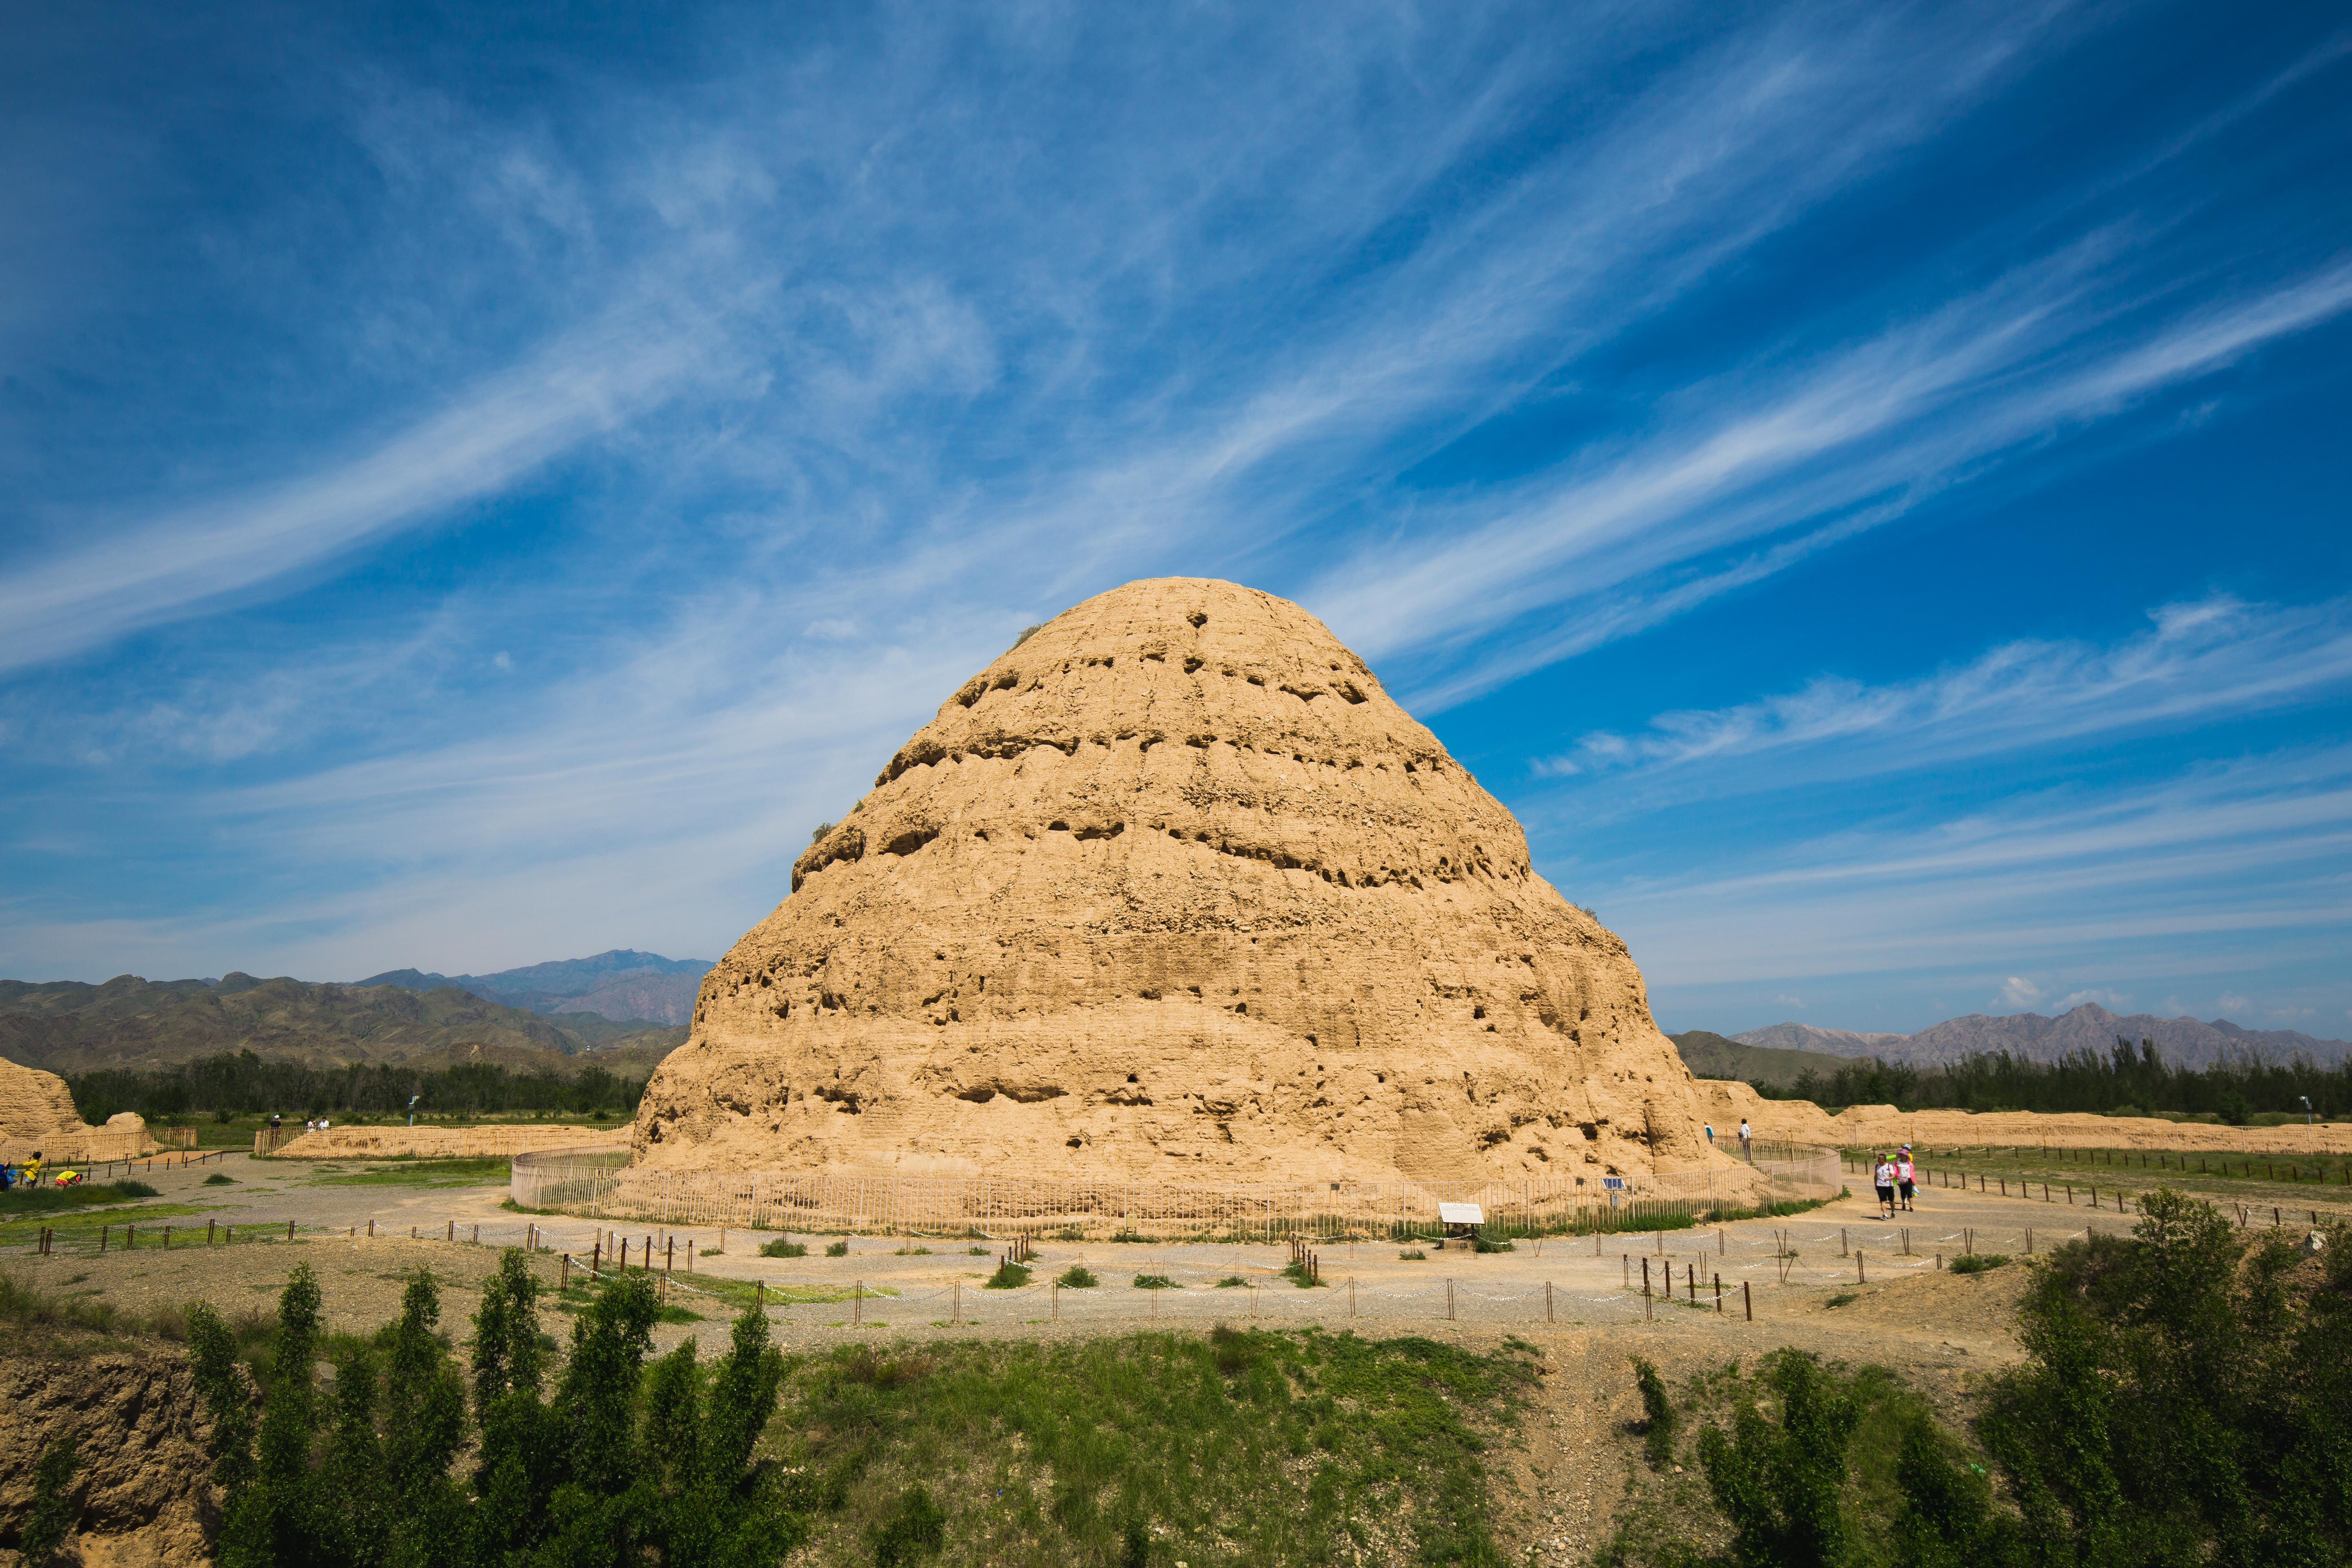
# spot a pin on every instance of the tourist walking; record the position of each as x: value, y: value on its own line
x: 1747, y: 1142
x: 1882, y: 1176
x: 1905, y: 1176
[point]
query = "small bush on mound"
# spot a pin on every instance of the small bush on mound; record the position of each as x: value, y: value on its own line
x: 1155, y: 1282
x: 837, y: 1249
x: 1485, y: 1246
x: 130, y: 1189
x: 217, y: 1180
x: 1299, y: 1274
x: 1658, y: 1419
x: 1124, y: 1235
x: 1008, y: 1277
x: 779, y: 1247
x: 976, y: 1252
x: 917, y: 1529
x: 914, y: 1252
x: 1413, y: 1255
x: 1078, y: 1276
x: 1977, y: 1262
x: 1232, y: 1280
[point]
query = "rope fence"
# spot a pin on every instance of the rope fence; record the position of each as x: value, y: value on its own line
x: 602, y: 1185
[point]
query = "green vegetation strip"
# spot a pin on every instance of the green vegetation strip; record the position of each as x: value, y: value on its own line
x: 1250, y: 1447
x: 2187, y: 1398
x: 399, y: 1173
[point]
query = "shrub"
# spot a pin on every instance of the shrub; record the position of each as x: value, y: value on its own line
x: 1977, y: 1262
x: 916, y: 1528
x: 130, y: 1189
x: 1155, y: 1282
x: 1078, y: 1276
x: 1008, y: 1277
x: 1482, y: 1245
x: 1658, y: 1420
x: 1413, y: 1255
x: 51, y: 1517
x: 1782, y: 1486
x: 218, y: 1179
x: 779, y: 1247
x: 838, y: 1248
x: 976, y: 1252
x: 1231, y: 1280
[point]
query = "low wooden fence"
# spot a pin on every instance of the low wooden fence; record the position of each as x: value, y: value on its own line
x: 604, y: 1184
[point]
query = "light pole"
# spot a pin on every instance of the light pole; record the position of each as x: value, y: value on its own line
x: 2306, y: 1107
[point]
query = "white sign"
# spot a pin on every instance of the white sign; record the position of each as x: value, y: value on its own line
x: 1461, y: 1213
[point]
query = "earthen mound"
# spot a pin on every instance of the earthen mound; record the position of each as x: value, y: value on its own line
x: 37, y: 1114
x: 1174, y: 890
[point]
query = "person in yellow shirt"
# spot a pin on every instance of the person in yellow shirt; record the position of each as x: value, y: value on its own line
x: 33, y: 1170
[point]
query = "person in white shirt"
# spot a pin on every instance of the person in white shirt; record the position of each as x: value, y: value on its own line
x: 1882, y: 1177
x: 1746, y: 1148
x: 1905, y: 1176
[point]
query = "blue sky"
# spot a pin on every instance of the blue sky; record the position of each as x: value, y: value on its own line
x: 1867, y: 485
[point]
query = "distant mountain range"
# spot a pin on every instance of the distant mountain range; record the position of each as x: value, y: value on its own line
x: 2187, y: 1042
x: 622, y: 984
x: 1714, y: 1056
x: 68, y: 1026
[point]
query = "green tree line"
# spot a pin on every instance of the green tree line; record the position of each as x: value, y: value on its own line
x: 2122, y: 1079
x: 245, y: 1083
x: 602, y: 1460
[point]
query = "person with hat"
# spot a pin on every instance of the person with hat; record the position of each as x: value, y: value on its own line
x: 1882, y: 1176
x: 1905, y: 1176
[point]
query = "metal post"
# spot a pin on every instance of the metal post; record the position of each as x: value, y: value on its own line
x: 1719, y: 1295
x: 1748, y: 1300
x: 1351, y: 1295
x: 1861, y: 1276
x: 959, y: 1300
x: 1548, y: 1318
x: 858, y: 1301
x: 1449, y: 1301
x: 451, y: 1233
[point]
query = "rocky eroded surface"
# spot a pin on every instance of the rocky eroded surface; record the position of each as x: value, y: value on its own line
x: 1173, y: 890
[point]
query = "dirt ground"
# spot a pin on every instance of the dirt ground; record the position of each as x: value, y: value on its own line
x: 1576, y: 1299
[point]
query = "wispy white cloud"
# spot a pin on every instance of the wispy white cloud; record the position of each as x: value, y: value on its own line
x: 157, y: 569
x: 1783, y: 462
x: 2210, y: 658
x: 2017, y: 992
x: 2173, y: 878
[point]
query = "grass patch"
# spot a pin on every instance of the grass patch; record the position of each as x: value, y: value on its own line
x: 1843, y: 1299
x: 914, y: 1252
x: 220, y: 1179
x: 1413, y: 1255
x: 982, y: 1251
x: 1155, y: 1449
x: 837, y: 1249
x: 1976, y: 1262
x: 1008, y: 1277
x: 1078, y: 1276
x: 1233, y: 1282
x: 19, y: 1201
x: 1482, y: 1245
x: 402, y: 1171
x: 782, y: 1248
x: 1298, y: 1274
x: 1155, y: 1282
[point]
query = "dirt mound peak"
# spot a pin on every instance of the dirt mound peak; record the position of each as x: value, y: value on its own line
x: 1173, y: 890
